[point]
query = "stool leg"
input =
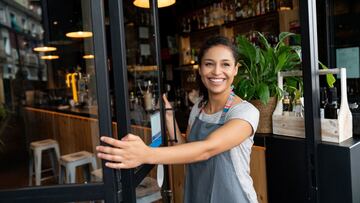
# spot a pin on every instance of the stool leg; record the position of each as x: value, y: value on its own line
x: 31, y: 167
x: 37, y: 166
x: 70, y: 174
x: 53, y: 163
x: 61, y: 174
x: 86, y: 173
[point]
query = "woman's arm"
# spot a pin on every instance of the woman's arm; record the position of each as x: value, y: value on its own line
x: 131, y: 151
x: 169, y: 120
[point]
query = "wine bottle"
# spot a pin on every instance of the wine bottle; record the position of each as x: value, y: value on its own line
x: 286, y: 104
x: 331, y: 110
x: 323, y: 102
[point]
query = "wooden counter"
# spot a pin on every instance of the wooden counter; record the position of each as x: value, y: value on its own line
x: 73, y: 132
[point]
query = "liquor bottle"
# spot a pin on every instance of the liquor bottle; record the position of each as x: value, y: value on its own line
x: 298, y: 108
x: 132, y: 100
x: 331, y: 110
x: 194, y: 23
x: 286, y: 104
x: 238, y: 11
x: 272, y: 5
x: 231, y: 13
x: 205, y: 19
x: 251, y: 10
x: 267, y: 6
x: 262, y: 7
x: 226, y: 14
x: 257, y: 8
x: 323, y: 102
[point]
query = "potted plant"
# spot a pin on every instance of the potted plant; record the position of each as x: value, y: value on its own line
x: 256, y: 80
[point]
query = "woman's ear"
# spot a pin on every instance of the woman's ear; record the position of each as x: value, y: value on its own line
x: 237, y: 68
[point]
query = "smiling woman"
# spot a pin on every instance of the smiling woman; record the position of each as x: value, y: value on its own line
x: 218, y: 140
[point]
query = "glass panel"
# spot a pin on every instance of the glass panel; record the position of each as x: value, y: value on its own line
x: 143, y: 86
x: 49, y: 107
x: 143, y: 73
x: 345, y: 51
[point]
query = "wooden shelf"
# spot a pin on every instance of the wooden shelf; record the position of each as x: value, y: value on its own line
x: 140, y: 68
x: 251, y: 20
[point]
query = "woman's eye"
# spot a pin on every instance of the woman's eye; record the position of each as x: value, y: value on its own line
x: 226, y: 65
x: 208, y: 64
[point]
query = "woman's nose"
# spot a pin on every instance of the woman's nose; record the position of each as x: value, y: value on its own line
x: 217, y: 69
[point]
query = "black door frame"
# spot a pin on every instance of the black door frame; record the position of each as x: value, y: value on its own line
x: 310, y: 66
x: 130, y: 178
x: 108, y: 189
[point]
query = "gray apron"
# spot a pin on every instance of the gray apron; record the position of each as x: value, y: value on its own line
x: 213, y: 180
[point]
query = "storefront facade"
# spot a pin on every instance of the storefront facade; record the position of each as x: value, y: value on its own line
x: 107, y: 80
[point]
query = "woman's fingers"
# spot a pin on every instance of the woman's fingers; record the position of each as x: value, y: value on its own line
x: 113, y: 142
x: 129, y: 152
x: 110, y: 157
x: 116, y: 165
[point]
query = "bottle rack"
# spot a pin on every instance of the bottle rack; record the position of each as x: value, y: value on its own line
x: 332, y: 130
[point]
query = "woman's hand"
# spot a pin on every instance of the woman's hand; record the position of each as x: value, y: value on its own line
x: 128, y: 152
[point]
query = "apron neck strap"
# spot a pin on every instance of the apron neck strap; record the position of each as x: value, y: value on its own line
x: 226, y: 107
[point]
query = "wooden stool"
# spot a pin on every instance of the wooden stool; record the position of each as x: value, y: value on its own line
x: 36, y: 150
x: 69, y: 163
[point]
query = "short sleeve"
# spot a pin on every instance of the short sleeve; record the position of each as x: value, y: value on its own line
x: 194, y: 112
x: 244, y: 111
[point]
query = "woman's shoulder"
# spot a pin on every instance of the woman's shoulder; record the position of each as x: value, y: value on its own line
x: 243, y: 107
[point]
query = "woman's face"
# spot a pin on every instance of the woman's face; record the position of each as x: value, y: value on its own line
x: 218, y: 69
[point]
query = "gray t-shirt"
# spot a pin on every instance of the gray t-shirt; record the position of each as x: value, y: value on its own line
x: 240, y: 155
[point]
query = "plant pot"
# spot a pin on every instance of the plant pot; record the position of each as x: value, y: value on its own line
x: 266, y: 111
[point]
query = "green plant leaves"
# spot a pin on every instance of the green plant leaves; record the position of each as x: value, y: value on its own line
x: 264, y: 93
x: 330, y: 79
x: 257, y: 77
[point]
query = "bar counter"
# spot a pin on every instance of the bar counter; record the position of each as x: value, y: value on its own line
x: 75, y: 129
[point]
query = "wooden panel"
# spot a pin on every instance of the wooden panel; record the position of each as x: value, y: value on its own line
x: 74, y: 133
x: 258, y: 173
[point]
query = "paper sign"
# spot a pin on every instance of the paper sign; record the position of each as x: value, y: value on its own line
x: 156, y: 137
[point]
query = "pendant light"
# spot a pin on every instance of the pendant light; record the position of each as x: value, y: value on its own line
x: 49, y: 57
x: 284, y: 5
x: 88, y: 56
x: 79, y: 34
x: 44, y: 49
x: 161, y: 3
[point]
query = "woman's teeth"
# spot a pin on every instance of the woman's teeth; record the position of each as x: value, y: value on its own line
x: 216, y: 79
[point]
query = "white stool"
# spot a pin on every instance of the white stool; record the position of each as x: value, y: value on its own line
x: 69, y: 163
x: 36, y: 149
x: 147, y: 191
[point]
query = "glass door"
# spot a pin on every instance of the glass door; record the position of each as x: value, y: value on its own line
x: 55, y: 95
x: 135, y: 64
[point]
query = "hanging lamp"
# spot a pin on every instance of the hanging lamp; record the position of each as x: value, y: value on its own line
x: 44, y: 49
x: 88, y: 56
x: 79, y: 34
x: 161, y: 3
x: 49, y: 57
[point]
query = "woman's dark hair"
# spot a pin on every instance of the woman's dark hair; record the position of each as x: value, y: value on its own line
x: 211, y: 42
